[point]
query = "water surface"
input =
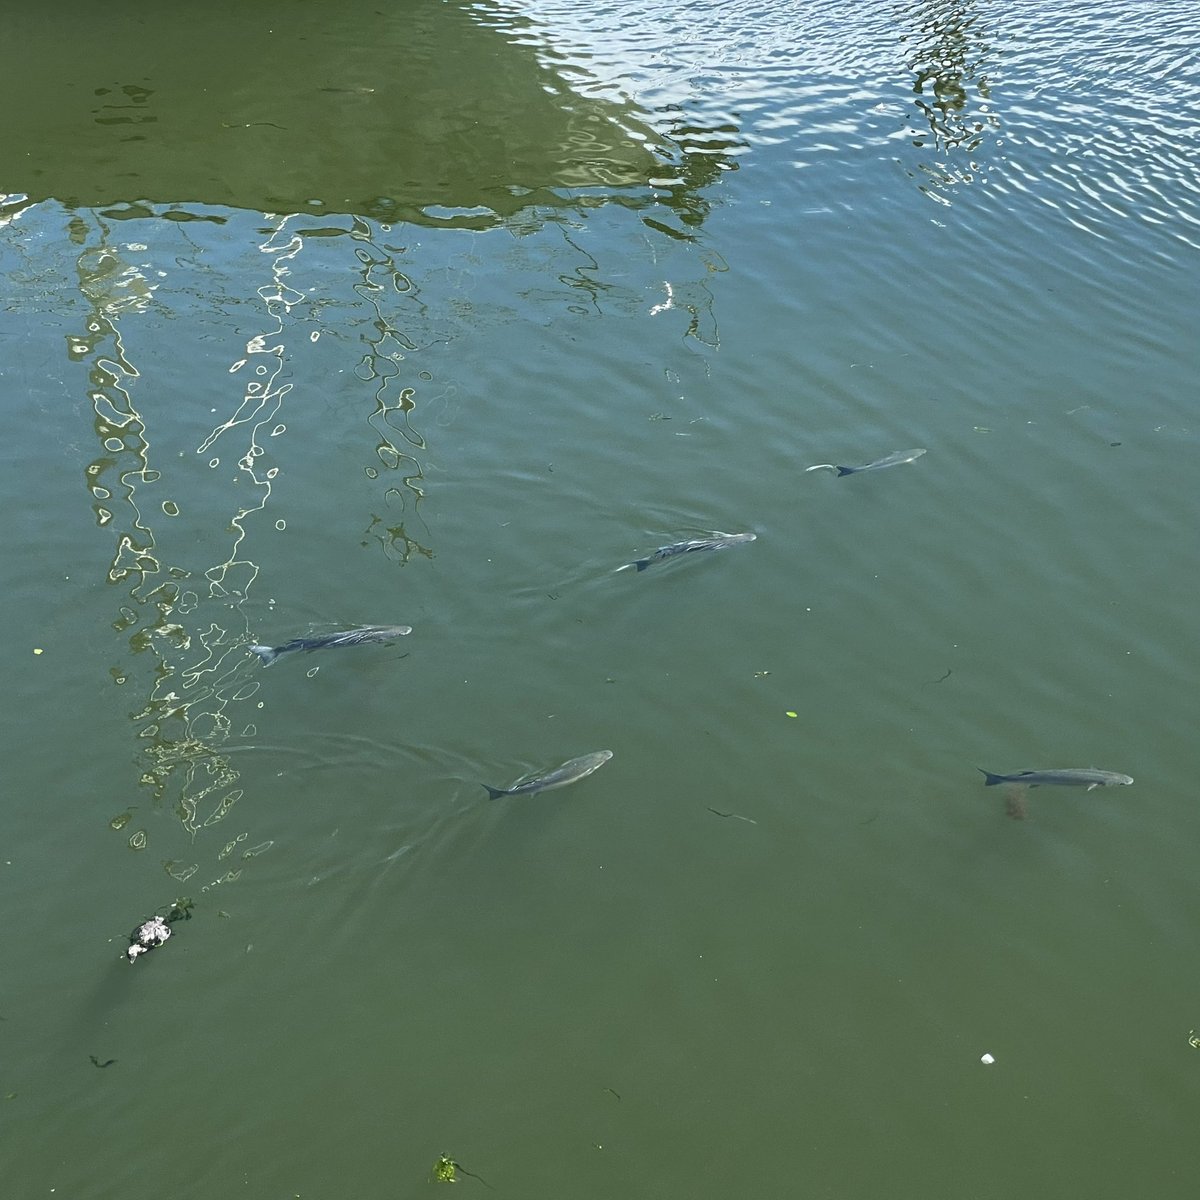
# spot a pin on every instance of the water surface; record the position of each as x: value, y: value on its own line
x: 436, y: 315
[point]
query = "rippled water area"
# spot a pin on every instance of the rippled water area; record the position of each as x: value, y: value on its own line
x: 470, y: 720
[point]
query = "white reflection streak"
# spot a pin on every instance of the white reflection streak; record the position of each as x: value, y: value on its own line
x: 261, y: 401
x: 670, y: 301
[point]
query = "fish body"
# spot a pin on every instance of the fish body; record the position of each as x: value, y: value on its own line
x: 569, y: 772
x: 719, y: 542
x: 895, y: 459
x: 347, y: 637
x: 1085, y: 777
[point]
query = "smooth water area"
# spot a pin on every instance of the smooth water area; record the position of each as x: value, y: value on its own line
x: 437, y: 314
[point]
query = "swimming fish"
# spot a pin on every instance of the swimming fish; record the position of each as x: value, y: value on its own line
x: 348, y: 637
x: 895, y: 459
x: 569, y: 772
x: 717, y: 542
x: 1087, y: 777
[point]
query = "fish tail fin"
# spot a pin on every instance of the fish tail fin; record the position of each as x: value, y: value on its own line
x: 641, y: 564
x: 990, y: 780
x: 493, y: 793
x: 266, y: 653
x: 845, y: 471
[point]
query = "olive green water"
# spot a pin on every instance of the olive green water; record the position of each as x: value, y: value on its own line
x: 436, y: 314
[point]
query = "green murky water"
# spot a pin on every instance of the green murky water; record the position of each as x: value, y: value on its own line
x: 437, y: 314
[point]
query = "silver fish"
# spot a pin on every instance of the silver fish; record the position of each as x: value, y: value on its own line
x: 347, y: 637
x: 569, y: 772
x: 1087, y: 777
x: 717, y: 542
x: 895, y: 459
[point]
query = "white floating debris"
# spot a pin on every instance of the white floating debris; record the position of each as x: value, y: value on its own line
x: 988, y: 1059
x: 148, y: 936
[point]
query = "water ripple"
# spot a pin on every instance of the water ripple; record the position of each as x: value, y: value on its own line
x: 965, y: 94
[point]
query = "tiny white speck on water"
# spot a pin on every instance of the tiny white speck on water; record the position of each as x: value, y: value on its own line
x: 987, y: 1059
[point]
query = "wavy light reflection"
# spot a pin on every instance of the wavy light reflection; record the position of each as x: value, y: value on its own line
x: 186, y: 714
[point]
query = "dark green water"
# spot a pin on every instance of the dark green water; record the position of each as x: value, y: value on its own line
x: 436, y: 314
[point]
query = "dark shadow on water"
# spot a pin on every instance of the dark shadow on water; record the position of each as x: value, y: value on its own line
x: 446, y: 115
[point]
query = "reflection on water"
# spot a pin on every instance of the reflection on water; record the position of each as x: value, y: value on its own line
x: 387, y: 348
x: 189, y: 620
x: 949, y: 54
x: 194, y: 681
x: 394, y: 540
x: 297, y: 116
x: 701, y: 149
x: 125, y: 107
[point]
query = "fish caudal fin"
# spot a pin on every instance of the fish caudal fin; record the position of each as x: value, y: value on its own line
x: 493, y: 793
x: 266, y: 653
x: 846, y: 471
x: 990, y: 780
x: 641, y: 564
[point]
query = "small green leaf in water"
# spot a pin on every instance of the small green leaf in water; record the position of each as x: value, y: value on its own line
x: 443, y: 1170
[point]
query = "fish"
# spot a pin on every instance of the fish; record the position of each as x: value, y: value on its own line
x: 347, y: 637
x: 895, y: 459
x: 1087, y: 777
x: 717, y: 542
x: 569, y: 772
